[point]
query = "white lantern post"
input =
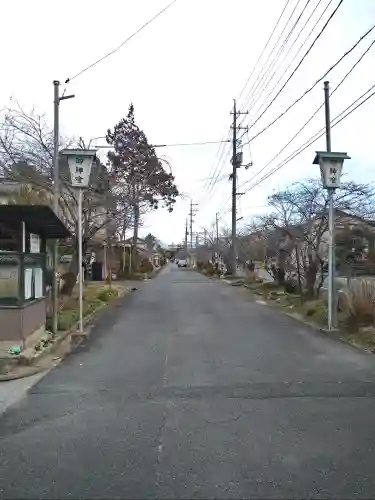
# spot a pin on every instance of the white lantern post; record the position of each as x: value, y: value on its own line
x: 80, y: 163
x: 330, y: 169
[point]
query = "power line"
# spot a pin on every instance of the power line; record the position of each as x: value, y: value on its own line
x: 262, y: 84
x: 189, y: 144
x: 302, y: 45
x: 211, y: 184
x: 123, y: 43
x: 312, y: 116
x: 313, y: 86
x: 261, y: 73
x: 214, y: 170
x: 296, y: 54
x: 299, y: 64
x: 340, y: 117
x: 264, y: 49
x: 260, y: 78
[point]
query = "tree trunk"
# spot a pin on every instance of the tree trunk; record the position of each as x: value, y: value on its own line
x: 136, y: 224
x: 228, y: 263
x: 280, y: 267
x: 311, y: 279
x: 70, y: 278
x: 135, y: 238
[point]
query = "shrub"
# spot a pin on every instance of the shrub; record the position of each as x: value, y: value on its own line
x: 145, y: 266
x: 107, y: 294
x: 67, y: 318
x: 357, y: 303
x: 290, y: 286
x: 268, y: 287
x: 316, y: 310
x: 210, y: 270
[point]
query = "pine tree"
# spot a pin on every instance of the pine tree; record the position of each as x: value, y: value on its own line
x: 138, y: 174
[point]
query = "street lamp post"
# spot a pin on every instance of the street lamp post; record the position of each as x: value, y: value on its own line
x: 80, y: 163
x: 330, y: 169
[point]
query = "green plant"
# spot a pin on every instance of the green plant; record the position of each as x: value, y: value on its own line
x: 66, y: 319
x: 107, y: 294
x: 316, y: 310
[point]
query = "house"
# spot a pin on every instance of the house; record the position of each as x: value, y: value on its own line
x: 293, y: 246
x: 24, y: 231
x: 143, y: 250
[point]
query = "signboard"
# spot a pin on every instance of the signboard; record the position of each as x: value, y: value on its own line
x: 34, y: 243
x: 80, y: 171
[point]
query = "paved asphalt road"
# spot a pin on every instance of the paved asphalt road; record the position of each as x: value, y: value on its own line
x: 189, y: 390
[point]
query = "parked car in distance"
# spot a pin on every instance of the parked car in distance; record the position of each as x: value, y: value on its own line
x: 182, y: 263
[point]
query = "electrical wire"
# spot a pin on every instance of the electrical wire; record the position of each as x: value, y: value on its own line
x: 223, y: 159
x: 299, y: 50
x: 295, y: 55
x: 219, y: 157
x: 313, y: 115
x: 189, y: 144
x: 261, y: 72
x: 313, y: 86
x: 214, y: 179
x: 300, y: 63
x: 123, y: 43
x: 262, y: 85
x: 264, y: 49
x: 339, y: 118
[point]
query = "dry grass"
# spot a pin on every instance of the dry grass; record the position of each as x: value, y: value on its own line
x: 95, y: 295
x: 357, y: 303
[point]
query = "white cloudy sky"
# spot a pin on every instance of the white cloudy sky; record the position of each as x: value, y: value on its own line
x: 182, y: 73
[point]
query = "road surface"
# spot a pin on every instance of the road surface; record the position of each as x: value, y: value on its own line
x: 189, y: 390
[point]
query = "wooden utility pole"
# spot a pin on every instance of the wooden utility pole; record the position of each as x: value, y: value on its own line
x: 191, y: 215
x: 236, y: 163
x: 332, y: 306
x: 217, y: 236
x: 186, y: 237
x: 217, y: 229
x: 56, y: 196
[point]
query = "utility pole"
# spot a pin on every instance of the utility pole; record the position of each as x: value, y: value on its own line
x: 331, y: 222
x: 236, y: 163
x: 191, y: 215
x: 217, y: 229
x: 56, y: 195
x: 186, y: 237
x: 217, y: 236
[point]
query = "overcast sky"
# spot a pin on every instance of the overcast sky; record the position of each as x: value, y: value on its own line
x: 182, y: 74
